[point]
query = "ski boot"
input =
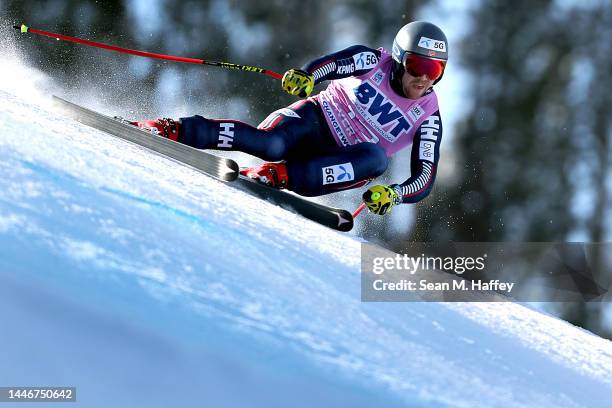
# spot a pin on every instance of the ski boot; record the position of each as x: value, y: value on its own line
x: 165, y: 127
x: 271, y: 174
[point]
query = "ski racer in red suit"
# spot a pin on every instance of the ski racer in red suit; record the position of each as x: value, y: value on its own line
x: 376, y: 104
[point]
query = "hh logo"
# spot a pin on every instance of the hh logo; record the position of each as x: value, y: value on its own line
x: 226, y: 135
x: 338, y: 173
x: 381, y: 109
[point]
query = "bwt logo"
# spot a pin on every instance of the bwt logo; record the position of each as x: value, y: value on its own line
x: 383, y: 110
x: 226, y: 135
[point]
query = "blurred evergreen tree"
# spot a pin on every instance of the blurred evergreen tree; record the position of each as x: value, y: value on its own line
x: 513, y: 147
x: 535, y: 147
x: 591, y: 127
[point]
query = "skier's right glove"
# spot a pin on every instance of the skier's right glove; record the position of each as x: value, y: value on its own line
x: 298, y: 82
x: 380, y: 199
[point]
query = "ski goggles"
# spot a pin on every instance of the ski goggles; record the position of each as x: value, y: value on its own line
x: 417, y: 66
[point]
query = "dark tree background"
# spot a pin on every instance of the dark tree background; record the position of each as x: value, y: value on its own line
x: 534, y: 154
x: 531, y: 155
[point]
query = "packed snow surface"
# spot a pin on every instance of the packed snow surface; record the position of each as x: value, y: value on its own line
x: 144, y: 283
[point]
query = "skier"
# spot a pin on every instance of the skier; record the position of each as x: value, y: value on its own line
x: 341, y: 138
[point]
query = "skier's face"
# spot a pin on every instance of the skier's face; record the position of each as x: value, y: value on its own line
x: 415, y: 87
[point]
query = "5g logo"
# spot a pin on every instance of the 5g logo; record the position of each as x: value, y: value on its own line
x: 431, y: 44
x: 338, y: 173
x: 365, y: 60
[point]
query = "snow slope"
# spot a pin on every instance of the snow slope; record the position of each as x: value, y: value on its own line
x: 144, y: 283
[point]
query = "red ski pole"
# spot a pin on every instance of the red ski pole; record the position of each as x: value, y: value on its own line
x: 25, y: 29
x: 359, y: 210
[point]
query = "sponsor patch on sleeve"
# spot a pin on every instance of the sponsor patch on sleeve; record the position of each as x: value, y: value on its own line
x: 426, y: 150
x: 365, y: 60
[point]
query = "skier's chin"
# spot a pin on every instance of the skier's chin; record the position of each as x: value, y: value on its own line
x: 414, y: 91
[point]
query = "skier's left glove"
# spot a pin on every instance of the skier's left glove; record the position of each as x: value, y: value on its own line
x: 380, y: 199
x: 298, y: 82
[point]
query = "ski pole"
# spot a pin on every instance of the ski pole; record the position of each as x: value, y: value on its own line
x: 359, y: 210
x: 25, y: 29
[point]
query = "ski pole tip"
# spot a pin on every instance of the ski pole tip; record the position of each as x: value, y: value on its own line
x: 24, y: 28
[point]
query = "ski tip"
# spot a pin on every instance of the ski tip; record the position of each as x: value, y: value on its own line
x: 233, y: 165
x: 233, y: 170
x: 345, y: 221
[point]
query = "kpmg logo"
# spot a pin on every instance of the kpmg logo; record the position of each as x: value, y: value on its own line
x: 346, y: 69
x: 382, y: 110
x: 338, y: 173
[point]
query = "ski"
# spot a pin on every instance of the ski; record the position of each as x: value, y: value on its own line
x: 215, y: 166
x: 209, y: 164
x: 331, y: 217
